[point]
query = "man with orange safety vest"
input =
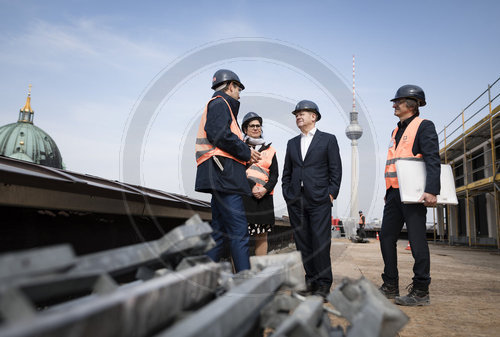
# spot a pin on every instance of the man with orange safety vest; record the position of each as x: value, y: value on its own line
x: 413, y: 138
x: 221, y: 157
x: 361, y: 225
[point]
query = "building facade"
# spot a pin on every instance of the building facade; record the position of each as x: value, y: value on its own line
x: 471, y: 145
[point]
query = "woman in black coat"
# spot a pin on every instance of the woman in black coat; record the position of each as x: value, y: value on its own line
x: 262, y: 177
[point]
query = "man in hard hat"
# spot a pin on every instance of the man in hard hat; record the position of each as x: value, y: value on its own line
x: 361, y: 225
x: 311, y: 181
x: 221, y: 157
x: 413, y: 138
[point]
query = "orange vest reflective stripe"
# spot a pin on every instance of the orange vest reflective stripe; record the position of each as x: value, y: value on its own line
x: 259, y: 172
x: 203, y: 148
x: 404, y: 150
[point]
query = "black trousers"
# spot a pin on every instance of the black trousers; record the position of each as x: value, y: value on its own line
x: 395, y: 215
x: 311, y: 224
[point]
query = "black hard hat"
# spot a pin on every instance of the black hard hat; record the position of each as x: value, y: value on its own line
x: 309, y: 106
x: 225, y: 75
x: 250, y: 117
x: 360, y: 211
x: 411, y: 91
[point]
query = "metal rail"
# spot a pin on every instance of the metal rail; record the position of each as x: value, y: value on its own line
x: 29, y: 185
x: 470, y: 104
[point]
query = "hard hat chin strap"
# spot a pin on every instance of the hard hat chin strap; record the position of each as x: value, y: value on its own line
x: 221, y: 87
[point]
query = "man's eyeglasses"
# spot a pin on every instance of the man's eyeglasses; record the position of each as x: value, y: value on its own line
x: 254, y: 126
x: 237, y: 86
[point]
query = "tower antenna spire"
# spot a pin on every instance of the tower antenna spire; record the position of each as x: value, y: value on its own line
x: 354, y: 131
x: 353, y: 85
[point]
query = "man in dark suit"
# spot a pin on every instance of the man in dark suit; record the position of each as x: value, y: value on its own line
x: 311, y: 181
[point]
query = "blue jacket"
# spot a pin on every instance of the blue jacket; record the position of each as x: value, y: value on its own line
x: 209, y: 178
x: 320, y: 173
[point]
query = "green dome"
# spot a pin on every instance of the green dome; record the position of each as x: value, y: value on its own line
x: 25, y: 141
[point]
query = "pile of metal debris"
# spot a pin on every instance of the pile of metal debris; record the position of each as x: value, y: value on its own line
x: 168, y: 287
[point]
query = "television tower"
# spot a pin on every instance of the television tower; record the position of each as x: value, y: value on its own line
x: 354, y: 132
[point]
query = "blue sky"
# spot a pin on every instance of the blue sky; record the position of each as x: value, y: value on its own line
x: 91, y: 63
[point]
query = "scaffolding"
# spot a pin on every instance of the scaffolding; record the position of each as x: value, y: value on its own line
x: 471, y: 144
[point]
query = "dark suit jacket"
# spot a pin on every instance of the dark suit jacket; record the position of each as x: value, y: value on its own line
x: 320, y: 172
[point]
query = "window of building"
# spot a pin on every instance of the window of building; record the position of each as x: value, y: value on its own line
x: 458, y: 171
x: 477, y: 165
x: 480, y: 215
x: 497, y: 151
x: 461, y: 225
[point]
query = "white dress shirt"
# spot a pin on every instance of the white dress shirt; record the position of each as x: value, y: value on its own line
x: 305, y: 141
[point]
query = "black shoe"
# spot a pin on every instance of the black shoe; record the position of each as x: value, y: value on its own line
x: 323, y: 291
x: 389, y: 290
x: 311, y: 289
x: 415, y: 297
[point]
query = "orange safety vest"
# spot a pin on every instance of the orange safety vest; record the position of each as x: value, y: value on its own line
x: 360, y: 220
x: 404, y: 150
x: 206, y: 150
x: 259, y: 172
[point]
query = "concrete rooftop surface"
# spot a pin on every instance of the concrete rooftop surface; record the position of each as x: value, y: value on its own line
x: 464, y: 292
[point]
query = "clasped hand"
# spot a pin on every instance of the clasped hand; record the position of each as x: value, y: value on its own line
x: 258, y: 191
x: 254, y: 156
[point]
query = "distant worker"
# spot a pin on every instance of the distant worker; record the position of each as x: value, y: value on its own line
x: 262, y: 177
x: 414, y: 138
x: 311, y: 181
x: 221, y: 156
x: 361, y: 226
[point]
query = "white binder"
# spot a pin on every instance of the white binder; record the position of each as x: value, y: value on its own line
x: 411, y: 180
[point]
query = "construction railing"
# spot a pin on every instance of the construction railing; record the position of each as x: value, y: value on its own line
x: 470, y: 115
